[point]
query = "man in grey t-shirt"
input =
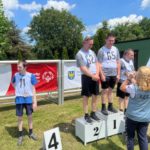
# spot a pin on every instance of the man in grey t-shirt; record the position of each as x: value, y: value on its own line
x: 109, y: 62
x: 126, y: 67
x: 87, y: 62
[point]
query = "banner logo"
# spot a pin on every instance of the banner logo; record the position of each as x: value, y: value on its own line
x: 48, y: 76
x: 71, y: 75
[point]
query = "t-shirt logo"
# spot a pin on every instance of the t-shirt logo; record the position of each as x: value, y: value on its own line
x: 22, y: 83
x: 90, y: 59
x: 111, y: 55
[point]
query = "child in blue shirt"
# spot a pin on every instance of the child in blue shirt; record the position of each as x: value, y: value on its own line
x: 24, y: 84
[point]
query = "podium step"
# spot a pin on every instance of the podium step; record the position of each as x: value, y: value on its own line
x: 109, y: 125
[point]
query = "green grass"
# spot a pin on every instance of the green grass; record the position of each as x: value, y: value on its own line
x: 48, y: 116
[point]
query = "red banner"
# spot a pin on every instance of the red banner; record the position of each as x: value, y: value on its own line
x: 46, y: 75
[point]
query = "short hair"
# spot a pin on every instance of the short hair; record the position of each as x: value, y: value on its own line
x: 143, y: 78
x: 127, y: 51
x: 24, y: 63
x: 87, y: 38
x: 110, y: 35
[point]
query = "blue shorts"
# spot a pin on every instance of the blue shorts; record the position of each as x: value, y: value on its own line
x: 20, y: 107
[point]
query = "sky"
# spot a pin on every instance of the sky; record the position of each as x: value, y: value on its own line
x: 91, y: 12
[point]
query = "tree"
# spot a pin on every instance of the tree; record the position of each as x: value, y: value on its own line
x: 65, y: 54
x: 128, y: 32
x: 4, y: 28
x: 12, y: 45
x: 56, y: 55
x: 19, y: 55
x: 99, y: 37
x: 123, y: 32
x: 133, y: 31
x: 53, y: 30
x: 17, y: 46
x: 145, y: 25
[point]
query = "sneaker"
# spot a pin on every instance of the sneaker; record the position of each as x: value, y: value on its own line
x: 20, y: 139
x: 33, y: 137
x: 104, y: 112
x: 93, y: 116
x: 88, y: 119
x: 112, y: 109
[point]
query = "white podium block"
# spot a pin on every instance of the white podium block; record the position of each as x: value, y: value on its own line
x: 115, y: 122
x: 89, y: 132
x: 109, y: 125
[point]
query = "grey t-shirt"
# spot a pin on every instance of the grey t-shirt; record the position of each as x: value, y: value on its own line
x: 108, y: 58
x: 126, y: 67
x: 86, y: 58
x: 139, y: 104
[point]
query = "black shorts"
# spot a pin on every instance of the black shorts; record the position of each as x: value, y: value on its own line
x: 120, y: 93
x: 109, y: 83
x: 89, y: 87
x: 20, y: 107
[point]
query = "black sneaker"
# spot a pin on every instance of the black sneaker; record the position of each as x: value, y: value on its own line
x: 88, y: 119
x: 20, y: 139
x: 33, y: 137
x: 93, y: 116
x: 104, y: 112
x: 112, y: 109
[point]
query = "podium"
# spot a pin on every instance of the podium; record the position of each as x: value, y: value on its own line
x: 109, y: 125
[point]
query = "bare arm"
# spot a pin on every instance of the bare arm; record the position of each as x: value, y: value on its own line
x: 131, y: 79
x: 124, y: 85
x: 86, y: 71
x: 118, y: 69
x: 34, y: 98
x: 97, y: 69
x: 100, y: 69
x: 103, y: 78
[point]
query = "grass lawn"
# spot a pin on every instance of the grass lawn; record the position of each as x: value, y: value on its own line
x: 48, y: 116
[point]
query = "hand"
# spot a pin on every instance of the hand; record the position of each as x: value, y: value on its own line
x: 134, y: 74
x: 95, y: 77
x: 34, y: 105
x: 131, y: 76
x: 118, y: 78
x: 127, y: 74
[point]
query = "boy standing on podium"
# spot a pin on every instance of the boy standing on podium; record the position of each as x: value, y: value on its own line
x: 87, y: 61
x: 109, y: 63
